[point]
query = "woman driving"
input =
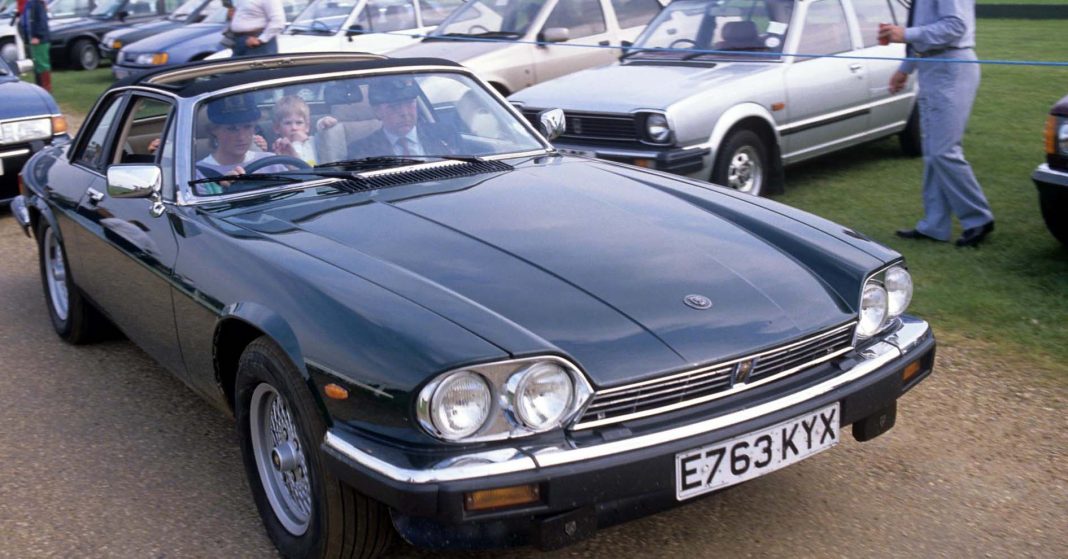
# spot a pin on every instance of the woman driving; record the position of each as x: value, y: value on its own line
x: 232, y: 129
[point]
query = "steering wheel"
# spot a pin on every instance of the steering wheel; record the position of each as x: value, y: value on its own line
x: 208, y: 172
x: 677, y: 43
x: 475, y: 29
x: 276, y: 160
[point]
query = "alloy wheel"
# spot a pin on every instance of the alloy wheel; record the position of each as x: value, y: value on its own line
x: 56, y: 274
x: 280, y: 459
x: 746, y: 171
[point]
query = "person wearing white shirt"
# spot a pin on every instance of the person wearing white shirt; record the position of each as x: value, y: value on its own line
x: 256, y: 23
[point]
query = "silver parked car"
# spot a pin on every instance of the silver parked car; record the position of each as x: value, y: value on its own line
x: 712, y: 90
x: 513, y: 44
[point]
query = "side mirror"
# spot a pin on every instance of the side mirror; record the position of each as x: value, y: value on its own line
x: 555, y: 35
x: 122, y: 15
x: 137, y: 181
x: 354, y: 29
x: 624, y: 48
x: 551, y: 123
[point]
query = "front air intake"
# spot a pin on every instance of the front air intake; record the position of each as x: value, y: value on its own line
x: 424, y: 172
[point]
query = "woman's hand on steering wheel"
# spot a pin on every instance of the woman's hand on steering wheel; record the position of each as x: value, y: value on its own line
x: 274, y: 160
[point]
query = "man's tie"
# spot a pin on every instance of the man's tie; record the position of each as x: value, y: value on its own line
x: 402, y: 146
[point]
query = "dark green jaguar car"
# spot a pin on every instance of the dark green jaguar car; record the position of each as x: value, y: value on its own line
x: 428, y: 322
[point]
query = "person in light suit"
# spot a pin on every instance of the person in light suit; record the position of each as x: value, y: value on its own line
x: 943, y: 29
x: 394, y: 100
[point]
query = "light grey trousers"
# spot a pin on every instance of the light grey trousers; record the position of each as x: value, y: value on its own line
x: 947, y: 91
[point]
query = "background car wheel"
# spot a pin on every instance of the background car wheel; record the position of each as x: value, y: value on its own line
x: 1054, y: 204
x: 910, y: 138
x: 73, y: 318
x: 9, y: 51
x: 742, y: 163
x: 84, y: 56
x: 306, y: 510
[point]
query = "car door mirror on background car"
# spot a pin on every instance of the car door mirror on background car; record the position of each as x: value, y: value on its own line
x: 354, y: 29
x: 137, y: 181
x: 551, y: 123
x: 122, y: 15
x: 624, y: 48
x: 555, y: 35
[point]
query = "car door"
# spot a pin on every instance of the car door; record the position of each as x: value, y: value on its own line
x: 887, y: 111
x: 128, y: 254
x: 586, y: 24
x: 826, y: 97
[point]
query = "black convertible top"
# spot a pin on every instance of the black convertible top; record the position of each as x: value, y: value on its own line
x: 186, y: 81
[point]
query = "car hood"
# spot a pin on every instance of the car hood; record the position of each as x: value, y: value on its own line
x: 69, y: 23
x: 22, y: 99
x: 636, y: 86
x: 575, y: 258
x: 129, y: 34
x: 168, y: 39
x: 449, y: 49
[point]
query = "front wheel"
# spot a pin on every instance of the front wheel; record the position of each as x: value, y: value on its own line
x: 306, y: 510
x: 73, y: 318
x: 742, y: 163
x: 1054, y: 206
x: 84, y: 56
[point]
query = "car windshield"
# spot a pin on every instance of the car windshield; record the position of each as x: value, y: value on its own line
x: 189, y: 6
x: 491, y: 18
x: 323, y: 16
x: 68, y: 8
x: 685, y: 29
x: 106, y: 10
x: 281, y: 134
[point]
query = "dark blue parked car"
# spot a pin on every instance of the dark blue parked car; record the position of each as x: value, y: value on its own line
x: 482, y: 343
x: 29, y: 121
x: 192, y: 11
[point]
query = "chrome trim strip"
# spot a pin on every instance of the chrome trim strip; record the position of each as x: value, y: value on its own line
x: 14, y: 153
x: 479, y: 465
x: 786, y: 128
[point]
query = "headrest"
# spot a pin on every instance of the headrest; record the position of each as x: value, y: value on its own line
x: 233, y: 109
x: 392, y: 89
x: 343, y: 93
x: 738, y: 31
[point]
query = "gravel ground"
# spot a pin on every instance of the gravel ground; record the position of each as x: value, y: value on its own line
x: 105, y: 454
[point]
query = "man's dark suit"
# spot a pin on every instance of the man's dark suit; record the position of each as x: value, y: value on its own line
x: 431, y: 140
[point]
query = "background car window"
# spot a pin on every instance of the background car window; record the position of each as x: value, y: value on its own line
x: 633, y: 13
x: 142, y: 131
x: 870, y: 13
x: 94, y: 153
x: 383, y: 17
x: 435, y: 11
x: 323, y: 16
x: 141, y: 8
x: 171, y: 5
x: 501, y: 18
x: 69, y: 8
x: 729, y: 25
x: 582, y: 17
x: 826, y: 30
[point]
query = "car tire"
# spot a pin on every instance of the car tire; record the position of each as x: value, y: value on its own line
x: 73, y: 318
x: 1054, y: 205
x: 83, y: 55
x: 911, y: 138
x: 306, y: 510
x: 9, y: 51
x: 742, y: 163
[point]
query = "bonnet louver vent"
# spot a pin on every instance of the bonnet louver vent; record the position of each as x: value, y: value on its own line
x: 429, y: 172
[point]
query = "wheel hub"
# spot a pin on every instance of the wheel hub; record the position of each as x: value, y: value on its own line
x: 280, y: 459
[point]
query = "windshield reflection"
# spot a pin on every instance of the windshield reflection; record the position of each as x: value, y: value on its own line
x: 491, y: 18
x: 687, y: 27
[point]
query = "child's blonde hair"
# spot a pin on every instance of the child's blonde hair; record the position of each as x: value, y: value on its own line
x: 291, y: 105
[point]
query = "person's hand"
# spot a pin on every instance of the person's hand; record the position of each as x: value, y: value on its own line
x: 326, y: 122
x: 35, y: 41
x: 282, y: 146
x: 260, y: 142
x: 891, y: 33
x: 153, y: 146
x: 239, y: 170
x: 898, y: 81
x: 299, y: 136
x: 252, y: 42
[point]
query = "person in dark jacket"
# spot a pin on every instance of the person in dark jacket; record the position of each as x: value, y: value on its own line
x: 34, y: 25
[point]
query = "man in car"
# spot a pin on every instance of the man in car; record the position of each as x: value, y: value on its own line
x: 395, y: 101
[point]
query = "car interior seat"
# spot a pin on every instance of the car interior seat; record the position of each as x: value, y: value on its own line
x: 356, y: 120
x: 739, y: 35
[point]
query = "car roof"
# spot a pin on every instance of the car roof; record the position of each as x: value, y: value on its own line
x: 190, y: 80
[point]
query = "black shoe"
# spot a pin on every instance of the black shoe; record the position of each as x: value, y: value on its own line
x: 972, y: 237
x: 914, y: 234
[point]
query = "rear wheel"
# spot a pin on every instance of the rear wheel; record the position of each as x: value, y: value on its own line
x: 306, y: 510
x: 742, y: 163
x: 910, y: 138
x: 9, y: 51
x: 73, y: 318
x: 1054, y: 205
x: 83, y: 55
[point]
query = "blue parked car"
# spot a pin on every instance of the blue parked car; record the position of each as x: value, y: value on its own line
x: 184, y: 44
x: 29, y: 122
x: 192, y: 11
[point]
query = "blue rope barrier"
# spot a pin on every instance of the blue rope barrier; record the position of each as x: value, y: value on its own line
x: 736, y: 53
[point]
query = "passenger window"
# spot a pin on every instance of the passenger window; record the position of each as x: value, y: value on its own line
x: 581, y: 17
x: 94, y: 151
x: 870, y: 13
x: 634, y: 13
x: 143, y: 131
x: 434, y: 11
x: 383, y: 17
x: 170, y: 5
x: 826, y: 30
x: 141, y: 8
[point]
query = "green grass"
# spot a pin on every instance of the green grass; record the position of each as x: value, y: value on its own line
x: 1012, y: 292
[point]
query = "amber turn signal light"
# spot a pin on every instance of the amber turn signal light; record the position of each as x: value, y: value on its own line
x: 488, y: 499
x: 648, y: 164
x: 335, y: 391
x: 1051, y: 135
x: 59, y: 125
x: 910, y: 371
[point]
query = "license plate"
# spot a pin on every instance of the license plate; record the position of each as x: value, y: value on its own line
x: 579, y: 152
x: 713, y: 467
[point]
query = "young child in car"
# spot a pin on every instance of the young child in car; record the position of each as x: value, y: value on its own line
x: 292, y: 124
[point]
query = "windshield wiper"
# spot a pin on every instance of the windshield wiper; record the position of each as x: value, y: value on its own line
x: 483, y: 35
x: 279, y: 177
x: 387, y: 161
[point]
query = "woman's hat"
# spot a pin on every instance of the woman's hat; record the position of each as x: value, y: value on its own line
x: 233, y: 109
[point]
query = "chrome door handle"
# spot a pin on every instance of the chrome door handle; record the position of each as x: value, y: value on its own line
x: 856, y: 68
x: 95, y: 196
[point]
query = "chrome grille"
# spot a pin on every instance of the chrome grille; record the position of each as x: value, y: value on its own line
x: 708, y: 383
x: 586, y: 126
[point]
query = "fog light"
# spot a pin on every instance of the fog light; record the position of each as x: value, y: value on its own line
x: 488, y: 499
x: 910, y: 371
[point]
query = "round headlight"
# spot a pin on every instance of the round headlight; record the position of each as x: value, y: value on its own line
x: 543, y: 396
x: 460, y: 405
x: 656, y: 125
x: 898, y: 290
x: 873, y: 306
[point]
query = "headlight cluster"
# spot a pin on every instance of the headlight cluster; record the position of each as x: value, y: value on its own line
x: 1057, y: 135
x: 657, y: 128
x: 26, y: 130
x: 502, y: 400
x: 151, y: 59
x: 885, y: 296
